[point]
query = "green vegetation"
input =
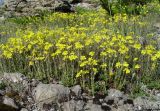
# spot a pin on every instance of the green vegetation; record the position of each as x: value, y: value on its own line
x: 90, y: 48
x: 128, y: 6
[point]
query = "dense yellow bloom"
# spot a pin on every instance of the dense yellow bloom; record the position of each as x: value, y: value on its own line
x: 78, y: 45
x: 7, y: 54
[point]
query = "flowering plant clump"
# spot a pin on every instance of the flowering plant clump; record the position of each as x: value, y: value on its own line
x: 79, y: 48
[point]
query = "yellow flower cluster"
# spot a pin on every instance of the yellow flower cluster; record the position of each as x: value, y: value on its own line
x: 88, y: 43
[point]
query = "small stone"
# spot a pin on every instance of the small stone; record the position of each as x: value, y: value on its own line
x: 93, y: 107
x: 105, y: 107
x: 14, y: 77
x: 128, y: 101
x: 10, y: 102
x: 80, y: 105
x: 24, y: 109
x: 109, y: 100
x: 2, y: 92
x: 69, y: 106
x: 77, y: 90
x: 115, y: 93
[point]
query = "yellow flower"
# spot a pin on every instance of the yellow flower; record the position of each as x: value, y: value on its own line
x: 78, y: 45
x: 65, y: 53
x: 31, y: 63
x: 126, y: 70
x: 153, y: 58
x: 57, y: 52
x: 118, y: 64
x: 123, y: 49
x: 91, y: 53
x: 103, y: 54
x: 72, y: 57
x: 111, y: 73
x: 137, y: 66
x: 79, y: 74
x: 47, y: 46
x: 128, y: 37
x: 143, y: 52
x: 125, y: 64
x: 83, y: 63
x: 29, y: 46
x: 7, y: 54
x: 104, y: 65
x: 83, y: 58
x: 135, y: 59
x: 137, y: 46
x: 95, y: 70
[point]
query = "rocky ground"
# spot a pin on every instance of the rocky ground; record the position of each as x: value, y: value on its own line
x: 18, y: 93
x: 10, y: 8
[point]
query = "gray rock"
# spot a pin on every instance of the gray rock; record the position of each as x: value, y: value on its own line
x: 10, y: 102
x: 32, y: 7
x: 24, y: 109
x: 92, y: 107
x: 115, y: 93
x: 50, y: 93
x: 75, y: 1
x: 109, y: 100
x: 2, y: 18
x: 105, y: 107
x: 73, y: 105
x: 157, y: 25
x: 144, y: 88
x: 85, y: 5
x: 69, y: 106
x: 2, y: 92
x: 77, y: 90
x: 142, y: 103
x: 80, y: 105
x: 34, y: 82
x: 45, y: 93
x: 63, y: 92
x: 14, y: 77
x: 1, y: 2
x: 125, y: 108
x: 158, y: 96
